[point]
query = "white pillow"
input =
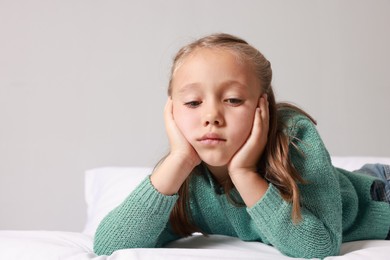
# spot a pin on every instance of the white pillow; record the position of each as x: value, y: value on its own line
x: 353, y: 163
x: 106, y: 188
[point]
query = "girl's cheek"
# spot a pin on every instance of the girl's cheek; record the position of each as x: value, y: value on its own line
x: 178, y: 113
x: 243, y: 126
x: 184, y: 122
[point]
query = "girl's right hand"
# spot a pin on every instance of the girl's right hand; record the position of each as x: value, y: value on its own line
x: 182, y: 159
x: 180, y: 148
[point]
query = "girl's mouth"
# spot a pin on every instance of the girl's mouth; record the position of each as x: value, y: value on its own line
x: 211, y: 139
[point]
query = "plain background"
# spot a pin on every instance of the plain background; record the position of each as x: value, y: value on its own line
x: 83, y: 85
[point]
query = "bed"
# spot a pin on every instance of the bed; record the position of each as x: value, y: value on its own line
x: 106, y: 187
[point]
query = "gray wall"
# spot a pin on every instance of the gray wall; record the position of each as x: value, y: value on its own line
x: 83, y: 85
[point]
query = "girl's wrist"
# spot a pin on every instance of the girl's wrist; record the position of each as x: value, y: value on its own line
x: 241, y: 172
x: 250, y: 185
x: 170, y: 174
x: 186, y: 162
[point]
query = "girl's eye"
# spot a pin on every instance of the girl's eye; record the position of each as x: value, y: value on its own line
x: 234, y: 101
x: 192, y: 104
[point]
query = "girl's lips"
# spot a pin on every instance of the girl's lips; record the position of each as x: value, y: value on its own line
x: 211, y: 139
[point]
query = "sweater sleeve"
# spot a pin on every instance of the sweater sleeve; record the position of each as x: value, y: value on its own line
x: 140, y: 221
x: 319, y: 233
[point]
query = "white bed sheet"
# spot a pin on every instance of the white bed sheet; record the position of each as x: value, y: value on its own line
x: 106, y: 187
x: 45, y: 245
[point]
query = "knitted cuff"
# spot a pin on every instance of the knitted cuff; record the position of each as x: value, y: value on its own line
x: 270, y: 206
x: 146, y: 195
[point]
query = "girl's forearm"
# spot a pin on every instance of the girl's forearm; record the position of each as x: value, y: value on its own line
x: 170, y: 174
x: 251, y: 186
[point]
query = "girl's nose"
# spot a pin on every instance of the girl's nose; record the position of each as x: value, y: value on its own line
x: 213, y: 117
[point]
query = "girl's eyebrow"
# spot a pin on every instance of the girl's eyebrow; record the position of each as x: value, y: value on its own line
x: 234, y: 83
x: 224, y: 85
x: 188, y: 87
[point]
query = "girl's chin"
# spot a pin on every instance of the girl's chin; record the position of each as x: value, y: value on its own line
x: 215, y: 162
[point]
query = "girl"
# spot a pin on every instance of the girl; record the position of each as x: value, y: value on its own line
x: 242, y: 165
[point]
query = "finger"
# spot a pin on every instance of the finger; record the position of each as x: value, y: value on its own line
x: 257, y: 125
x: 259, y: 112
x: 264, y: 106
x: 168, y: 115
x: 168, y: 118
x: 261, y: 122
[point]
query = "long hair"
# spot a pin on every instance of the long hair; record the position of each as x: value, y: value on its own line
x: 275, y: 164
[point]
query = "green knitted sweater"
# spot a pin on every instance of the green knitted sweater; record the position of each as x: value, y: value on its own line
x: 336, y: 207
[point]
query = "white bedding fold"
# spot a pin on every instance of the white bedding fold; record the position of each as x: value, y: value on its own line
x: 48, y: 245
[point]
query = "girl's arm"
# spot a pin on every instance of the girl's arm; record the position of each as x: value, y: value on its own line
x: 319, y: 233
x: 139, y: 221
x: 182, y: 159
x: 242, y: 167
x: 142, y: 219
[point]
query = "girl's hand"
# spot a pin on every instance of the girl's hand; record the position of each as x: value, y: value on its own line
x: 246, y: 158
x: 169, y: 176
x: 242, y: 167
x: 180, y: 148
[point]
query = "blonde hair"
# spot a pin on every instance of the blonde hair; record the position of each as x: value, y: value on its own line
x: 275, y: 164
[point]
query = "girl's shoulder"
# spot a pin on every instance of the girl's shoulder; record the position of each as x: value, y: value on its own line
x: 295, y: 120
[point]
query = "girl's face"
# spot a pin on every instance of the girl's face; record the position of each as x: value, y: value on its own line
x: 214, y: 101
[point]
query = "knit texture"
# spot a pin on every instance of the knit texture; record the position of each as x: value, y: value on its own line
x: 336, y: 206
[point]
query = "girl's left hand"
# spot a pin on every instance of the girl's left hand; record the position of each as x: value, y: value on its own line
x: 247, y: 156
